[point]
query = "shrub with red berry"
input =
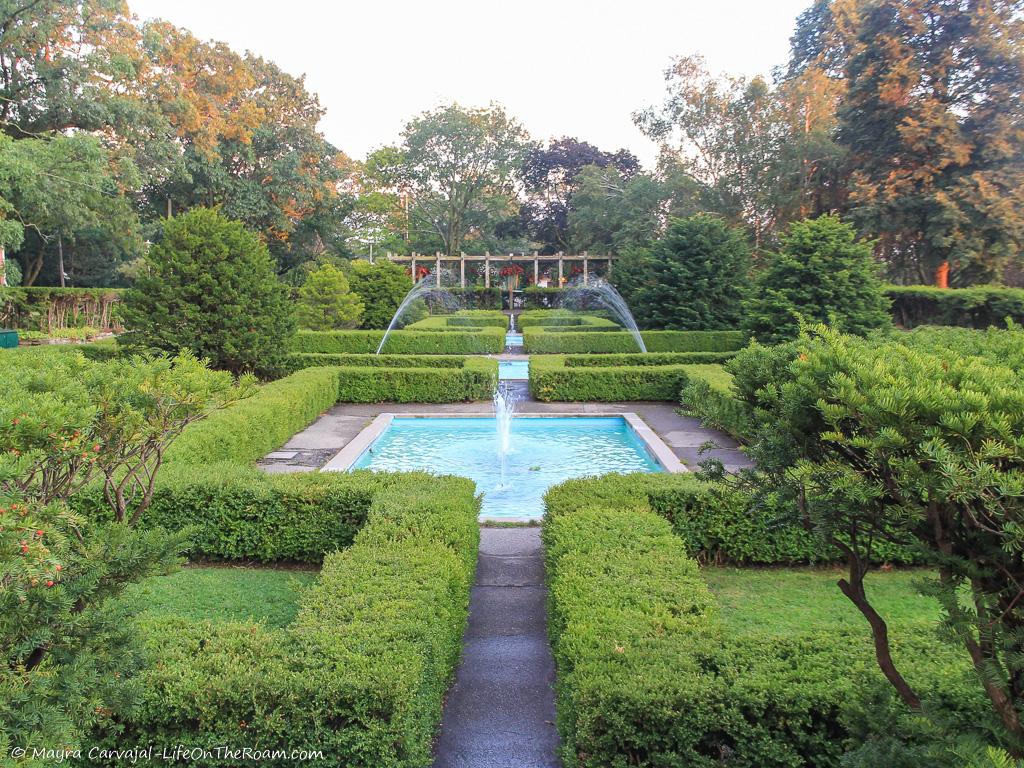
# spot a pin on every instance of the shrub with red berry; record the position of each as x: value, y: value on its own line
x: 66, y: 646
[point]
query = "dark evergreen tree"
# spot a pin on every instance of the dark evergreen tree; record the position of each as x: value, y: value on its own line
x: 381, y: 288
x: 210, y: 287
x: 822, y: 273
x: 694, y: 277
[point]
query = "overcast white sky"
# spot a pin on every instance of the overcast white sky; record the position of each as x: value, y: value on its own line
x: 562, y: 67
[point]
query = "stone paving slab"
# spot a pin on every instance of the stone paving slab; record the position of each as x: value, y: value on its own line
x: 500, y: 711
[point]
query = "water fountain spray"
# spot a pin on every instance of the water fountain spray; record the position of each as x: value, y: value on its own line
x: 603, y: 293
x: 504, y: 411
x: 425, y: 288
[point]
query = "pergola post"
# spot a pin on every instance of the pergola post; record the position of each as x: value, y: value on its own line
x: 584, y: 267
x: 609, y: 272
x: 536, y: 269
x: 560, y: 261
x: 414, y: 278
x: 462, y: 270
x: 487, y: 269
x: 437, y: 271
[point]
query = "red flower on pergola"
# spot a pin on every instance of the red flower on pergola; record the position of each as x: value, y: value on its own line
x: 510, y: 270
x: 421, y: 272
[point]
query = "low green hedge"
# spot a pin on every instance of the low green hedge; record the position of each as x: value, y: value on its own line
x: 248, y: 430
x: 466, y: 318
x: 560, y: 378
x: 717, y: 527
x: 540, y: 340
x: 475, y: 379
x: 625, y: 608
x: 299, y: 360
x: 709, y: 394
x: 557, y: 319
x: 651, y: 358
x: 647, y: 676
x: 360, y: 674
x: 238, y: 512
x: 485, y: 341
x: 977, y: 307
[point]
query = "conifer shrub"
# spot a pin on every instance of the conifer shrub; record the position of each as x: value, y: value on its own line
x: 209, y: 286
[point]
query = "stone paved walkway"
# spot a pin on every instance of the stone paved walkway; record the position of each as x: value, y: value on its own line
x: 500, y: 711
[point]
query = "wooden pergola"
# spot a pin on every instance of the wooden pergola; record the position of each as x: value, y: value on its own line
x: 438, y: 259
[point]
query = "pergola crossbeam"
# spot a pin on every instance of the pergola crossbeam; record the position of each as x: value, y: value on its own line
x: 439, y: 259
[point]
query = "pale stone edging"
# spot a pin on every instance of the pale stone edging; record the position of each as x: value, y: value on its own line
x: 355, y: 448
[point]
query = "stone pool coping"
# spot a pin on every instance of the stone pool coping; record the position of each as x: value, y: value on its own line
x: 355, y: 448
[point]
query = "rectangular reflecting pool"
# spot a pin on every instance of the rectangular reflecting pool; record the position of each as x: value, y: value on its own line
x: 513, y: 339
x: 513, y: 369
x: 542, y: 452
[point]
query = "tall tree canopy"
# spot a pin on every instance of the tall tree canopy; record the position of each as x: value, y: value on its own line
x: 551, y: 176
x: 456, y: 171
x: 180, y: 122
x: 934, y: 124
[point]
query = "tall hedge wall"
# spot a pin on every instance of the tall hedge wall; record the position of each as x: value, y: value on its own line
x: 52, y: 309
x: 977, y: 307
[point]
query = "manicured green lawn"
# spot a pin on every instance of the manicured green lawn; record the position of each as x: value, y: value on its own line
x: 225, y: 593
x: 793, y: 599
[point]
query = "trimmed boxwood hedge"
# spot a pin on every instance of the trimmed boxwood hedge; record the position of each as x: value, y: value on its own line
x: 647, y: 676
x: 359, y: 675
x: 248, y: 430
x: 976, y: 307
x: 238, y: 512
x: 475, y: 379
x: 651, y: 358
x: 463, y: 319
x: 716, y: 527
x: 550, y: 340
x: 483, y: 341
x: 557, y: 319
x: 561, y: 378
x: 299, y: 360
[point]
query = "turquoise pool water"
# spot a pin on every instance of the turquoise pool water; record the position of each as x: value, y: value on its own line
x: 513, y: 339
x: 513, y: 369
x: 544, y: 452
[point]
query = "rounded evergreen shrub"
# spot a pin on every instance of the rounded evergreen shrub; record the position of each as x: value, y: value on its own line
x: 326, y: 302
x: 209, y: 286
x: 822, y: 273
x: 381, y: 287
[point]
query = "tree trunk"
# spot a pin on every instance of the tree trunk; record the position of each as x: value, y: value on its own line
x: 942, y: 275
x: 854, y: 590
x: 34, y: 268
